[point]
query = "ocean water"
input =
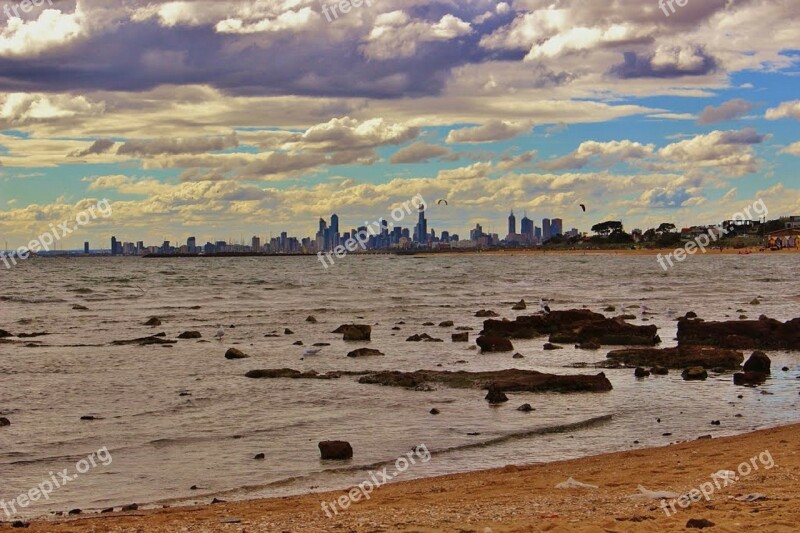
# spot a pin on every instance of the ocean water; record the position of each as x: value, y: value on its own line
x: 183, y: 416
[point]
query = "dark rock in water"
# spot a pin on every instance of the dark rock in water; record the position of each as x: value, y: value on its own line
x: 364, y: 352
x: 320, y: 344
x: 74, y: 512
x: 659, y: 371
x: 427, y: 324
x: 512, y: 380
x: 699, y: 523
x: 5, y: 334
x: 550, y: 346
x: 695, y: 373
x: 287, y: 331
x: 690, y: 315
x: 679, y: 357
x: 89, y: 417
x: 153, y: 322
x: 130, y: 507
x: 574, y: 326
x: 704, y: 437
x: 719, y: 370
x: 520, y: 306
x: 589, y: 345
x: 525, y: 408
x: 337, y: 450
x: 216, y: 501
x: 460, y: 337
x: 494, y: 344
x: 495, y: 396
x: 190, y: 335
x: 446, y: 324
x: 4, y: 422
x: 758, y: 362
x: 749, y: 378
x: 764, y: 333
x: 433, y: 340
x: 435, y: 411
x: 396, y: 328
x: 297, y: 343
x: 271, y: 335
x: 641, y: 372
x: 234, y: 353
x: 279, y: 373
x: 259, y: 457
x: 486, y: 313
x: 609, y: 309
x: 785, y: 369
x: 79, y: 307
x: 464, y: 328
x: 355, y: 332
x: 311, y: 319
x: 518, y: 356
x: 32, y: 335
x: 144, y: 341
x: 715, y: 423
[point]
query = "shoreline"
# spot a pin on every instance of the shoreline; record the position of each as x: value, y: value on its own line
x: 522, y: 498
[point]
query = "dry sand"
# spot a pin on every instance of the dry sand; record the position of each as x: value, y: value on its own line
x: 524, y: 498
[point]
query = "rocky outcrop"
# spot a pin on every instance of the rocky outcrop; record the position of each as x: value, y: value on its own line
x: 289, y: 373
x: 233, y: 353
x: 355, y: 332
x: 520, y: 306
x: 144, y: 341
x: 759, y: 362
x: 496, y: 396
x: 511, y: 380
x: 695, y: 373
x: 365, y: 352
x: 336, y: 450
x: 679, y: 357
x: 190, y: 335
x: 489, y: 343
x: 749, y: 378
x: 485, y: 313
x: 764, y: 333
x: 153, y: 322
x: 574, y: 326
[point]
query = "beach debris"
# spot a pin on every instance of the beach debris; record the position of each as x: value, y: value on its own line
x: 699, y: 523
x: 364, y: 352
x: 754, y: 497
x: 312, y: 351
x: 572, y: 483
x: 153, y: 322
x: 234, y: 353
x: 190, y: 335
x: 694, y: 373
x: 336, y: 450
x: 646, y: 494
x: 496, y: 396
x: 460, y: 337
x: 490, y: 343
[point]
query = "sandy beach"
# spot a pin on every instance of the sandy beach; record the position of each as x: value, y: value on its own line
x: 524, y: 498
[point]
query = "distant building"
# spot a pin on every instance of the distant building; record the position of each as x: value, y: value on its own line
x: 556, y: 227
x: 256, y: 244
x: 512, y: 223
x: 86, y: 247
x: 422, y: 227
x: 546, y: 229
x: 527, y: 230
x: 113, y: 246
x: 191, y: 245
x: 792, y: 222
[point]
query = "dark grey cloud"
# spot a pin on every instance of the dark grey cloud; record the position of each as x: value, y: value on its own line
x: 100, y: 146
x: 730, y: 110
x: 637, y: 65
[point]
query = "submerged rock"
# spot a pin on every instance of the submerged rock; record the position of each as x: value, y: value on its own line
x: 310, y: 319
x: 460, y: 337
x: 336, y: 450
x: 446, y: 324
x: 520, y: 306
x: 695, y: 373
x: 364, y: 352
x: 679, y: 357
x: 641, y: 372
x: 749, y: 378
x: 155, y: 321
x: 485, y: 313
x: 4, y: 422
x: 525, y: 408
x: 550, y: 346
x: 496, y: 396
x: 144, y: 341
x: 355, y: 332
x: 190, y: 335
x: 234, y: 353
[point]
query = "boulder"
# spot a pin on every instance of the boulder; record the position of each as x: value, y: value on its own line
x: 190, y: 335
x: 485, y: 313
x: 525, y: 408
x: 758, y: 362
x: 460, y: 337
x: 336, y: 450
x: 641, y: 372
x: 311, y: 319
x: 435, y: 411
x: 494, y: 344
x: 4, y: 422
x: 762, y: 334
x: 234, y: 353
x: 446, y: 324
x: 357, y: 332
x: 679, y: 357
x: 364, y: 352
x: 496, y: 396
x: 749, y: 378
x: 520, y: 306
x: 574, y: 326
x: 550, y: 346
x: 287, y: 331
x: 695, y: 373
x: 153, y: 322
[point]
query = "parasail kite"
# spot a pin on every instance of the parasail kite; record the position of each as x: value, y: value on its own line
x: 583, y: 207
x: 442, y: 201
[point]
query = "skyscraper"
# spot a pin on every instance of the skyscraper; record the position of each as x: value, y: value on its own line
x: 512, y: 223
x: 333, y: 232
x: 546, y: 229
x: 113, y: 246
x: 556, y: 227
x: 191, y: 244
x: 86, y: 247
x: 256, y: 244
x: 527, y: 229
x: 422, y: 226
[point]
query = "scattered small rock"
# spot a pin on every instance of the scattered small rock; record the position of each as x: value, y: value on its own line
x: 364, y: 352
x: 74, y: 512
x: 695, y: 373
x: 520, y: 306
x: 337, y: 450
x: 550, y: 346
x: 486, y: 313
x: 496, y: 396
x: 518, y: 356
x: 287, y: 331
x: 311, y: 319
x: 659, y: 371
x: 435, y: 411
x: 130, y: 507
x: 699, y: 523
x: 460, y: 337
x: 153, y: 322
x: 234, y: 353
x: 446, y: 324
x: 190, y: 335
x: 259, y: 457
x: 525, y: 408
x: 715, y: 423
x: 641, y: 372
x: 4, y: 422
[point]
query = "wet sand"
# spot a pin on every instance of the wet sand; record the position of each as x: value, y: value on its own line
x: 524, y: 498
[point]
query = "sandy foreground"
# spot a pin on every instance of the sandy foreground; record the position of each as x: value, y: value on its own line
x: 524, y: 498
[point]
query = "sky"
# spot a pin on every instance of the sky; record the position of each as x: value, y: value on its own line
x: 227, y: 119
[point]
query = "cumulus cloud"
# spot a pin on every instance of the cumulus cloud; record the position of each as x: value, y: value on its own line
x: 194, y: 145
x: 396, y: 35
x: 51, y: 29
x: 600, y: 154
x: 730, y: 110
x: 419, y: 152
x: 792, y: 149
x: 493, y: 130
x: 100, y: 146
x: 785, y: 110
